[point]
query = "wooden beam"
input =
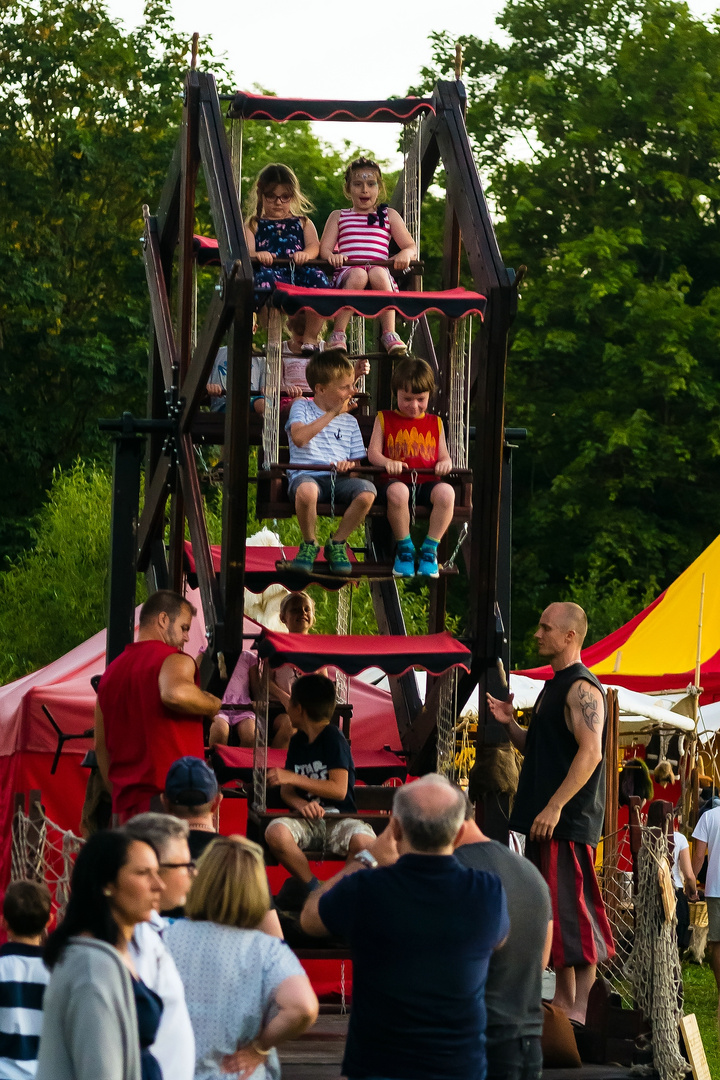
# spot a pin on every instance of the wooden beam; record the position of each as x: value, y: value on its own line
x: 217, y: 321
x: 159, y: 303
x: 217, y: 169
x: 152, y: 519
x: 207, y: 581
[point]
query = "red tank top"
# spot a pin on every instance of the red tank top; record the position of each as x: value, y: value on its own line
x: 414, y: 441
x: 143, y: 737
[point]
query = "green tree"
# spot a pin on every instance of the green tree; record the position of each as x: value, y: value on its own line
x: 597, y: 131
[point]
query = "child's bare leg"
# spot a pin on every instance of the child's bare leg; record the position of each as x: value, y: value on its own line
x: 355, y: 514
x: 246, y: 732
x: 442, y: 498
x: 306, y: 499
x: 398, y: 509
x: 313, y: 325
x: 356, y: 279
x: 379, y: 279
x: 259, y: 406
x: 280, y: 841
x: 283, y: 731
x: 219, y: 732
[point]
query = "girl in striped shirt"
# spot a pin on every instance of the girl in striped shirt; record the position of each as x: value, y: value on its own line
x: 363, y: 233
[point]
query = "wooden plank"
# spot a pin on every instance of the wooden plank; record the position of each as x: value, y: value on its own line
x: 694, y: 1046
x: 217, y: 168
x: 152, y: 518
x: 207, y: 581
x: 159, y: 303
x: 189, y: 164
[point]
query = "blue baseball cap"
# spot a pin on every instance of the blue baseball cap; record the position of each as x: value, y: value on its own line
x: 190, y: 782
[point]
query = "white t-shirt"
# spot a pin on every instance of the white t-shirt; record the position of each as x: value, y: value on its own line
x: 340, y: 440
x: 230, y: 978
x: 679, y: 844
x: 174, y: 1046
x: 708, y: 829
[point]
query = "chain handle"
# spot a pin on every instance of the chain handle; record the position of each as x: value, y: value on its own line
x: 464, y: 533
x: 333, y: 475
x: 413, y: 494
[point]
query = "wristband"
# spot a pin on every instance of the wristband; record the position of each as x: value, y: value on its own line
x: 258, y: 1049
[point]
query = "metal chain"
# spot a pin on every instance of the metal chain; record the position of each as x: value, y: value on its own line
x: 343, y: 999
x: 333, y: 474
x: 413, y: 494
x: 464, y: 533
x: 276, y: 528
x: 411, y: 336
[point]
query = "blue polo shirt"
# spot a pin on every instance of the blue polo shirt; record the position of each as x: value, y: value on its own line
x: 421, y: 933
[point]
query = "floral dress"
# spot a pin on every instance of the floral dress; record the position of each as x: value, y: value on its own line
x: 283, y: 238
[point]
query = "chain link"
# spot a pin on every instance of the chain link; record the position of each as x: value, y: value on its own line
x: 413, y: 494
x: 464, y: 533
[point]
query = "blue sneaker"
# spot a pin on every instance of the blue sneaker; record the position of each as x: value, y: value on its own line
x: 428, y: 564
x: 304, y: 561
x: 404, y: 565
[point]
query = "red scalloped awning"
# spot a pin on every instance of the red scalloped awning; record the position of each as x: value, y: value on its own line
x: 264, y: 107
x: 206, y: 251
x: 454, y: 303
x: 436, y: 653
x: 261, y: 571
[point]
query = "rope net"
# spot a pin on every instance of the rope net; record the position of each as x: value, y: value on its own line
x: 273, y: 380
x: 344, y: 621
x: 411, y: 145
x: 447, y: 711
x: 654, y: 964
x: 616, y: 884
x: 261, y: 743
x: 42, y: 851
x: 458, y: 393
x: 356, y: 343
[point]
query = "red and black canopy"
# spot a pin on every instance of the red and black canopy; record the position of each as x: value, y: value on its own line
x: 436, y: 653
x: 263, y: 107
x: 261, y: 570
x: 455, y: 303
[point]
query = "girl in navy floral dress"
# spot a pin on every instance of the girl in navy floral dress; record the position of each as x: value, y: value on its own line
x: 280, y: 228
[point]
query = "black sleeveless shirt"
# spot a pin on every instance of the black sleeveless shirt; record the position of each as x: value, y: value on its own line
x: 549, y: 752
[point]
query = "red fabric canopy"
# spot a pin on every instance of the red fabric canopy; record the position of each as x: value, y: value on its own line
x: 353, y: 653
x: 265, y: 107
x: 455, y: 303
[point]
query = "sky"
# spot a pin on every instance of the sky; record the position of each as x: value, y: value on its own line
x: 311, y: 48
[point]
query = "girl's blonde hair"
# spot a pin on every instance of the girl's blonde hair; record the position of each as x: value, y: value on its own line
x: 292, y: 599
x: 231, y: 887
x: 370, y: 166
x: 270, y: 177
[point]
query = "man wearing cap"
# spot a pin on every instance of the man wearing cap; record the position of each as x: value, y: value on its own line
x: 192, y: 794
x: 150, y: 707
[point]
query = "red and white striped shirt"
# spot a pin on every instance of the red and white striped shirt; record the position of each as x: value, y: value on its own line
x: 358, y: 240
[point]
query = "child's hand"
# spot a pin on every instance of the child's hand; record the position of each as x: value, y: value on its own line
x: 265, y: 257
x: 401, y: 260
x: 275, y: 777
x: 394, y: 468
x: 292, y: 391
x: 362, y: 367
x: 214, y: 389
x: 344, y: 466
x: 312, y: 810
x: 345, y: 406
x: 300, y: 258
x: 336, y: 259
x: 443, y: 467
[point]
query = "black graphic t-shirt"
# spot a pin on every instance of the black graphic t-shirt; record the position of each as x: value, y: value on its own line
x: 330, y: 750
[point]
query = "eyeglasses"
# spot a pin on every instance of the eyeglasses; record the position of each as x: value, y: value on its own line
x: 191, y: 867
x: 278, y: 198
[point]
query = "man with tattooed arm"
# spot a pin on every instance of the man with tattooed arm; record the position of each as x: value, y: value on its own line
x: 560, y: 801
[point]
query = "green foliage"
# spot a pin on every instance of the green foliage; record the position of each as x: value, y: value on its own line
x: 597, y: 132
x: 54, y: 597
x: 701, y: 997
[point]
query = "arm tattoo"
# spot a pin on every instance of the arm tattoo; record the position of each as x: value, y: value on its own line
x: 588, y: 707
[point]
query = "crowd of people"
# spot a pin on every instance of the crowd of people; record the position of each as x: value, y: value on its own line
x: 170, y: 960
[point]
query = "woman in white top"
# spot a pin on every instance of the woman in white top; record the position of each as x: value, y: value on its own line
x: 246, y: 992
x: 685, y: 887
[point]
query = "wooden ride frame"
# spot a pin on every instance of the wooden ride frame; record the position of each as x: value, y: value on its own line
x: 178, y: 374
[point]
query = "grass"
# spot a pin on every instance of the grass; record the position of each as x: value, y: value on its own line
x: 701, y: 998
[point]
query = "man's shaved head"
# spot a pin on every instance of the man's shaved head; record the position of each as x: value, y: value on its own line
x: 570, y: 617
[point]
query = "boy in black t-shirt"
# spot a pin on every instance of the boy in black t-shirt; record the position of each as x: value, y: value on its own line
x: 318, y: 781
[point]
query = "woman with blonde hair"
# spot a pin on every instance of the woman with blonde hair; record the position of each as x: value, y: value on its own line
x: 246, y: 992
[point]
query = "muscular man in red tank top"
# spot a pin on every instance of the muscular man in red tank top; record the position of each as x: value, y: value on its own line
x: 150, y: 707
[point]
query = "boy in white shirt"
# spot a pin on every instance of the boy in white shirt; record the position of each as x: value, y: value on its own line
x: 322, y: 432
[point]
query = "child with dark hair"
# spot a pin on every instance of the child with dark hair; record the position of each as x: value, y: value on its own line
x: 318, y: 781
x: 23, y: 977
x: 363, y: 232
x: 404, y: 440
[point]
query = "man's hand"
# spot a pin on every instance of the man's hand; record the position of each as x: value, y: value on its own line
x: 385, y: 848
x: 544, y: 824
x: 501, y: 710
x: 275, y: 777
x: 265, y: 257
x: 442, y: 468
x: 312, y: 810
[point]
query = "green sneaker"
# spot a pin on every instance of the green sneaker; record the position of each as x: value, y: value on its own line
x: 337, y: 559
x: 304, y: 561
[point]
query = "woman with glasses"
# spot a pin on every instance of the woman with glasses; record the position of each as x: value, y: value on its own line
x: 99, y: 1019
x: 246, y: 991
